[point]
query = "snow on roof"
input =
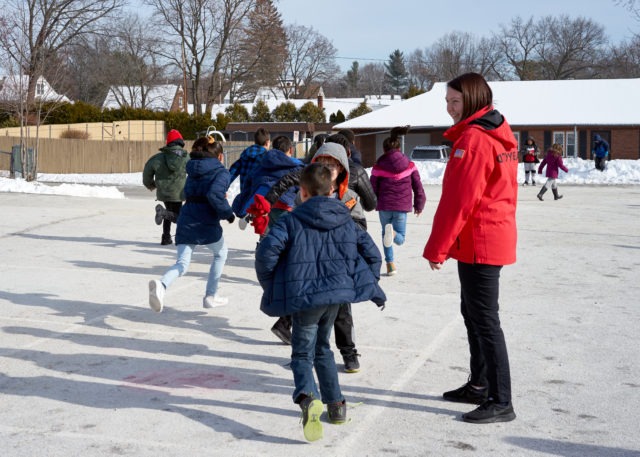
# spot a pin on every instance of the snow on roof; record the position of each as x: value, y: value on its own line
x: 12, y: 86
x: 158, y: 98
x: 527, y: 103
x: 331, y: 105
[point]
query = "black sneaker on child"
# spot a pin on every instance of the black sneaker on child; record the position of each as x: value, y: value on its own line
x: 166, y: 239
x: 466, y: 394
x: 337, y: 412
x: 351, y: 364
x: 282, y: 332
x: 489, y: 412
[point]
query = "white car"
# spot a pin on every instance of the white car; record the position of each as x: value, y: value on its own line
x: 434, y: 153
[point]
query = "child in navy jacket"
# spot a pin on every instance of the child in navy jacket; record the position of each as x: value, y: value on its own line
x: 311, y: 261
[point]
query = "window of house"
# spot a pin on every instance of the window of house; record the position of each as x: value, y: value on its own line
x: 517, y: 135
x: 39, y: 89
x: 568, y: 141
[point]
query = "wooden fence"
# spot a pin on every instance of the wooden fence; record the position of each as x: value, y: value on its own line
x: 72, y: 156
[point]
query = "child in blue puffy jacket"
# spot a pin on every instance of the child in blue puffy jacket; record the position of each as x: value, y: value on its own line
x: 313, y: 260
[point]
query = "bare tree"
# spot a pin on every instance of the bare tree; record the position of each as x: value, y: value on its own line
x: 570, y: 48
x: 451, y: 55
x: 372, y: 79
x: 421, y: 72
x: 519, y: 43
x: 624, y: 60
x: 197, y: 34
x: 631, y: 5
x: 33, y: 35
x: 310, y: 63
x: 35, y: 30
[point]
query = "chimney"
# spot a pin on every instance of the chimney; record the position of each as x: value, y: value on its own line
x: 320, y: 98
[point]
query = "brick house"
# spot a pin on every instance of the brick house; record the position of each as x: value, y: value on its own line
x: 569, y: 112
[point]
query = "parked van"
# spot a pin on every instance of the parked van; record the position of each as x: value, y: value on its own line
x: 434, y: 153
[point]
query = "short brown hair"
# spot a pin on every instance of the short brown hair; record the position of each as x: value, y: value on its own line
x: 476, y: 93
x: 261, y: 137
x: 316, y: 179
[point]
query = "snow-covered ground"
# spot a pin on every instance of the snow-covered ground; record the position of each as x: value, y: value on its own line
x: 618, y: 172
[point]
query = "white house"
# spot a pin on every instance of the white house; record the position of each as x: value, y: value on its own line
x: 162, y: 97
x: 14, y: 88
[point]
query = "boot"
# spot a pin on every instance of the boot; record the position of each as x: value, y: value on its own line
x: 526, y: 178
x: 533, y: 180
x: 162, y: 214
x: 555, y: 194
x: 166, y: 239
x: 541, y: 193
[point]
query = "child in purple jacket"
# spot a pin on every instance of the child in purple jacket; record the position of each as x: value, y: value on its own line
x: 395, y: 180
x: 553, y: 161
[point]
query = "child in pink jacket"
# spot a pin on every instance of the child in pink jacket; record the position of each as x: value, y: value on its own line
x: 553, y: 161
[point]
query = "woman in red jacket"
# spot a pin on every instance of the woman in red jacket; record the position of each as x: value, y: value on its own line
x: 475, y: 223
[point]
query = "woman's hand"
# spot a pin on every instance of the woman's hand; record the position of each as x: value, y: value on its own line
x: 434, y: 265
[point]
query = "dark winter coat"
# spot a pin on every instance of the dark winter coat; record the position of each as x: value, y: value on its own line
x: 396, y: 182
x: 274, y: 165
x: 165, y: 172
x: 316, y: 256
x: 600, y: 147
x: 358, y: 182
x: 205, y: 192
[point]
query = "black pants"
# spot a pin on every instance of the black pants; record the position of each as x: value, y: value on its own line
x: 489, y: 363
x: 342, y: 327
x: 600, y: 162
x: 174, y: 207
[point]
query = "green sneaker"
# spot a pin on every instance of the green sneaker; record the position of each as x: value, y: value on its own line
x: 311, y: 411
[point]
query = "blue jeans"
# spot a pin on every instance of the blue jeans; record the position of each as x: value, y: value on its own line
x: 398, y: 219
x: 311, y: 348
x: 219, y: 250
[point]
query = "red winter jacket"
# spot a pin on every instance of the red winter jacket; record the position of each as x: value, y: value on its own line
x: 476, y: 218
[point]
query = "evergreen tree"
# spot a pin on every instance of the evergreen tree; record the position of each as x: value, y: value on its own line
x: 263, y: 48
x: 310, y: 112
x: 286, y: 112
x: 396, y: 73
x: 360, y: 110
x: 337, y: 117
x: 353, y: 79
x: 260, y: 112
x: 413, y: 91
x: 237, y: 113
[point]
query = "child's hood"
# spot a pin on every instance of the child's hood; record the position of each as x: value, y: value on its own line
x: 336, y: 151
x: 197, y: 168
x: 274, y: 159
x: 175, y: 157
x: 323, y: 213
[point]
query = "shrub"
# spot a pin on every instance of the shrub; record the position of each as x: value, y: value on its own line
x: 75, y: 134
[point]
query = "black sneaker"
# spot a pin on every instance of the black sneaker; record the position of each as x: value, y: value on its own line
x: 166, y: 239
x: 466, y: 394
x: 311, y: 412
x: 351, y: 364
x: 282, y: 332
x: 490, y: 412
x: 337, y: 412
x: 159, y: 214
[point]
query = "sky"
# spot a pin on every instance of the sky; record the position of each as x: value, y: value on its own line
x: 581, y: 172
x: 370, y: 30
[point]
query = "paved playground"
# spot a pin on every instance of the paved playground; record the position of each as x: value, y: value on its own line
x: 87, y: 369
